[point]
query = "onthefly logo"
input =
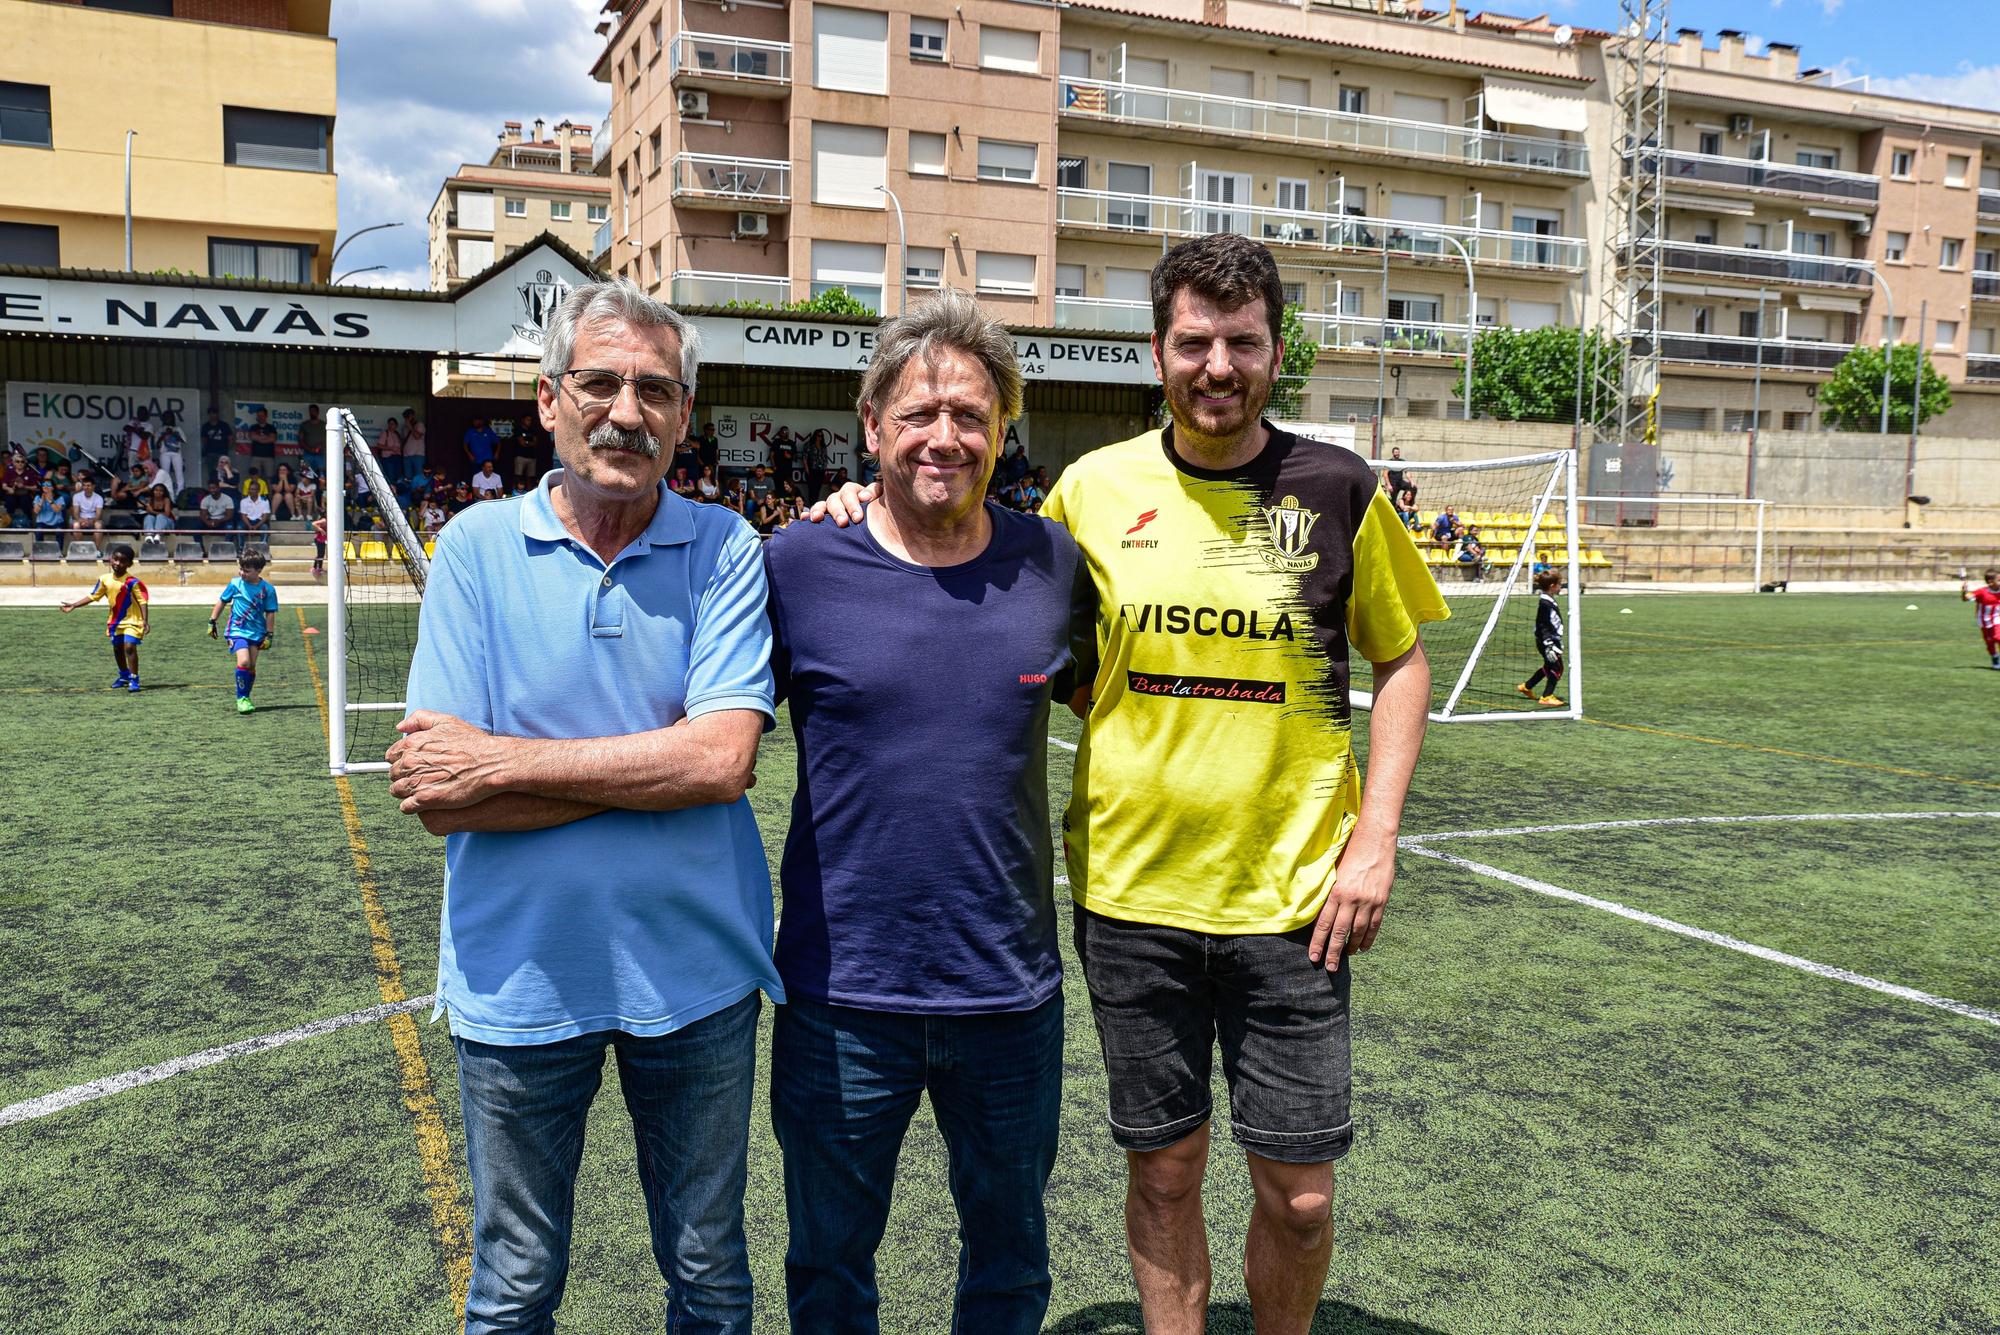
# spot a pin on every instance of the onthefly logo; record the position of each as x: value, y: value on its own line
x: 1144, y: 519
x: 1290, y: 528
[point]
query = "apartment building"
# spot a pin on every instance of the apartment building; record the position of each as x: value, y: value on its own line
x: 1419, y: 175
x: 232, y: 168
x: 536, y: 181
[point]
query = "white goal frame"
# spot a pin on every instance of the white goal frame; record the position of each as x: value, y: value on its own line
x: 344, y: 439
x: 1762, y: 509
x: 1561, y: 486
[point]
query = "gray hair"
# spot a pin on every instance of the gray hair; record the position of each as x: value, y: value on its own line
x: 616, y: 300
x: 949, y: 321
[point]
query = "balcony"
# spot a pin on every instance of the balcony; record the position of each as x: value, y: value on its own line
x: 1989, y: 206
x: 1240, y: 118
x: 1298, y: 229
x: 1774, y: 354
x: 744, y: 66
x: 1765, y: 266
x: 1985, y: 285
x: 1709, y: 169
x: 748, y: 185
x: 600, y: 244
x: 1104, y: 315
x: 600, y: 147
x: 693, y: 288
x: 1983, y: 369
x: 1418, y: 337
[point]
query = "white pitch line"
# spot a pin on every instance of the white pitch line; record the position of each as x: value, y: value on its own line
x: 1414, y: 841
x: 1067, y: 746
x: 30, y: 1109
x: 1713, y: 938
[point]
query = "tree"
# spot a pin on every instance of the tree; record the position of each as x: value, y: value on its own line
x: 1852, y: 399
x: 1288, y: 392
x: 1529, y: 375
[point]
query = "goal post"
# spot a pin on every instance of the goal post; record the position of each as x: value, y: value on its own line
x: 375, y: 579
x: 1700, y: 515
x: 1525, y: 509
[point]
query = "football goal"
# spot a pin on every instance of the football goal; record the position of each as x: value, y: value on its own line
x: 376, y: 569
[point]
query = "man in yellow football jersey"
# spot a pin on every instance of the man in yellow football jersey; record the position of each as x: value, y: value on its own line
x: 126, y: 593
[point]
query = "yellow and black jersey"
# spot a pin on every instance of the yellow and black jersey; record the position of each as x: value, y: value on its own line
x: 1215, y: 786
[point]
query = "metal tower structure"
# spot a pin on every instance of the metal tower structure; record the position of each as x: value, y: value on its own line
x: 1629, y: 306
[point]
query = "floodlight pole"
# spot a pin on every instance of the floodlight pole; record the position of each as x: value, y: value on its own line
x: 336, y: 595
x: 902, y: 252
x: 1756, y: 402
x: 1888, y: 344
x: 129, y: 134
x: 1471, y: 314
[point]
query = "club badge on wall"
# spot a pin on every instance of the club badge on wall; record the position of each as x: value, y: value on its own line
x: 539, y: 298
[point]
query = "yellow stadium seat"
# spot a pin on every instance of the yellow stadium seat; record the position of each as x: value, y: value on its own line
x: 347, y: 552
x: 430, y: 548
x: 374, y: 551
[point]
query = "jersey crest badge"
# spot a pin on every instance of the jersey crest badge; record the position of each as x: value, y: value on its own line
x: 1290, y: 529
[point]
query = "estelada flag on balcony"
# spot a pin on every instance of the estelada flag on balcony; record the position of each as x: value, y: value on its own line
x: 1083, y: 98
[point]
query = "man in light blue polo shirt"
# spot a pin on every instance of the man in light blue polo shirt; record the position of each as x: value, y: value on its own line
x: 591, y: 678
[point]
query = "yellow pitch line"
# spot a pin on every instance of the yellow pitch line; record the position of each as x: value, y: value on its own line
x: 449, y: 1225
x: 1703, y: 646
x: 1795, y: 755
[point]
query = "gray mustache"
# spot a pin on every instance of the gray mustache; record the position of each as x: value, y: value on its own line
x: 611, y: 436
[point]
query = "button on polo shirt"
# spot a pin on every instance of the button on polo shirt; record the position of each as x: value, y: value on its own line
x: 631, y: 920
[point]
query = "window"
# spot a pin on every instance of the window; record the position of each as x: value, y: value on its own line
x: 1754, y: 235
x: 923, y: 266
x: 24, y: 115
x: 1892, y: 327
x: 1295, y: 293
x: 1989, y: 177
x: 1129, y: 185
x: 1946, y: 336
x: 475, y: 255
x: 1009, y: 49
x: 1895, y: 245
x: 596, y: 213
x: 1069, y: 280
x: 1709, y: 142
x: 1957, y: 167
x: 273, y: 263
x: 1982, y: 342
x: 159, y: 8
x: 1354, y: 101
x: 1825, y: 159
x: 850, y: 49
x: 1128, y: 285
x: 853, y: 265
x: 1350, y: 301
x: 517, y: 208
x: 926, y: 153
x: 1704, y: 232
x: 1704, y: 320
x: 848, y: 166
x: 559, y: 210
x: 1013, y: 275
x: 1000, y: 160
x: 1812, y: 243
x: 475, y: 210
x: 1145, y: 72
x: 1293, y: 92
x: 1231, y: 83
x: 1410, y: 306
x: 1292, y: 193
x: 1074, y: 62
x: 1805, y: 327
x: 659, y: 270
x: 1746, y: 325
x: 927, y: 38
x: 31, y: 244
x: 280, y: 139
x: 1073, y: 173
x: 1902, y: 163
x: 656, y: 143
x: 658, y: 35
x: 1986, y: 261
x: 1530, y: 314
x: 1951, y: 252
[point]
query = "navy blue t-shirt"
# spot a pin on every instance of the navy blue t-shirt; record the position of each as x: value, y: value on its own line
x: 919, y: 872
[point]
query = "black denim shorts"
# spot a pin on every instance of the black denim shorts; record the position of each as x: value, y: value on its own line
x: 1162, y: 996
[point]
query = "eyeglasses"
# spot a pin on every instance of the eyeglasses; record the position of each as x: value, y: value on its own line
x: 598, y: 389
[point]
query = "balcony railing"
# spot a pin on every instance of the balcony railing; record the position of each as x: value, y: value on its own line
x: 1160, y: 215
x: 1755, y: 174
x: 1774, y: 354
x: 693, y: 288
x: 737, y: 59
x: 1423, y: 337
x: 1983, y: 368
x: 1771, y: 266
x: 1104, y: 314
x: 740, y: 183
x: 1985, y: 284
x: 600, y: 147
x: 600, y: 242
x: 1128, y: 104
x: 1989, y: 204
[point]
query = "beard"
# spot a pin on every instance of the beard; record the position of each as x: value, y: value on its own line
x: 610, y: 436
x: 1192, y: 416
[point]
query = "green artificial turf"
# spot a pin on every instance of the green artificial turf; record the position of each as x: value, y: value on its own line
x: 1567, y: 1121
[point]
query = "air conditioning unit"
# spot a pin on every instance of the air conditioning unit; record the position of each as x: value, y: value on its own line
x: 1862, y: 226
x: 695, y: 103
x: 1739, y: 123
x: 753, y: 224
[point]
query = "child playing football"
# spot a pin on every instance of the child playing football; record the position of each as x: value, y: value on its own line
x: 1548, y: 639
x: 252, y: 603
x: 127, y: 595
x: 1986, y: 610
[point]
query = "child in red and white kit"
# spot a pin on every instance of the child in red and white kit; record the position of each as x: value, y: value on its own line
x: 1987, y: 610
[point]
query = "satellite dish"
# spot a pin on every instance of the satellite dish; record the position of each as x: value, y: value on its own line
x: 1565, y: 35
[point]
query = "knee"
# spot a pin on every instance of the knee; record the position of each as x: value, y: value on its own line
x: 1164, y: 1180
x: 1302, y: 1218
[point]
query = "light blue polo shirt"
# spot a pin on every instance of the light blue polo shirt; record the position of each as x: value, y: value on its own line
x: 641, y: 921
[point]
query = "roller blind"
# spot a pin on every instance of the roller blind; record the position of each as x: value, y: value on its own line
x: 1001, y: 272
x: 848, y: 165
x: 850, y: 49
x: 1010, y: 49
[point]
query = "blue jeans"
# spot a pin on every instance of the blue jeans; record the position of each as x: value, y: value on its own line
x: 844, y: 1085
x: 689, y: 1095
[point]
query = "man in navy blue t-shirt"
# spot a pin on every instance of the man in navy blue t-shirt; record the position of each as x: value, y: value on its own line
x: 918, y: 944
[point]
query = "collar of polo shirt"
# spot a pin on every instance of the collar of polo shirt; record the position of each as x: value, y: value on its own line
x: 672, y: 521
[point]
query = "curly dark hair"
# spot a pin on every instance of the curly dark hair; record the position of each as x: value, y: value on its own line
x: 1230, y: 270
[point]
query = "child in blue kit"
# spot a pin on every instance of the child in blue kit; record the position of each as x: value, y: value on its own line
x: 252, y: 602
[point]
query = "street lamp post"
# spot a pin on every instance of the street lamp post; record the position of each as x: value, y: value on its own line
x: 128, y: 199
x: 351, y: 272
x: 1471, y: 312
x: 902, y: 252
x: 335, y: 258
x: 1888, y: 344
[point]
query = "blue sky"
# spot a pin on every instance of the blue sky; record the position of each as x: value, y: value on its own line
x: 425, y: 84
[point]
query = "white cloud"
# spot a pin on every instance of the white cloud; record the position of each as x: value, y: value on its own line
x: 1831, y: 7
x: 1967, y: 86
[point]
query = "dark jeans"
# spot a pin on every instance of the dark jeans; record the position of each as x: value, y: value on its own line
x: 688, y: 1093
x: 844, y: 1085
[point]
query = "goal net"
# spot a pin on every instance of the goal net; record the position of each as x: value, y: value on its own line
x: 1522, y: 511
x: 376, y: 569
